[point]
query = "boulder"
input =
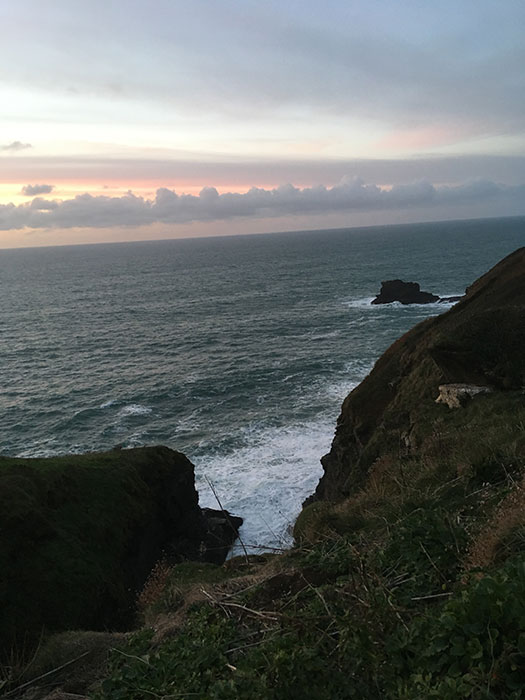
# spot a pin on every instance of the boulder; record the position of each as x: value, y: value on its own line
x: 404, y: 292
x: 456, y: 395
x: 221, y: 530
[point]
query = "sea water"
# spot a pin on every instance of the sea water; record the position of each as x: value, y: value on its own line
x: 237, y: 351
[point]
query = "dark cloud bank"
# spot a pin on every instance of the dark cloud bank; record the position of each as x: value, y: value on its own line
x: 168, y: 207
x: 33, y: 190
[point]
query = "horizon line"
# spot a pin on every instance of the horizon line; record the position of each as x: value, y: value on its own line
x: 264, y: 233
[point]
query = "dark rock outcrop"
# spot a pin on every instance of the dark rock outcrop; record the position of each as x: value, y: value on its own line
x: 478, y: 341
x: 404, y: 292
x: 81, y: 533
x: 221, y: 529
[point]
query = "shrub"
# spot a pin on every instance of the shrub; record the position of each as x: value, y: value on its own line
x: 475, y: 646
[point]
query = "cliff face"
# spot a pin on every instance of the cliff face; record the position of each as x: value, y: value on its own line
x: 80, y: 534
x: 479, y: 341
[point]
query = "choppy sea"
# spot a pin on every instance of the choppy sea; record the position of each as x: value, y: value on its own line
x: 238, y: 350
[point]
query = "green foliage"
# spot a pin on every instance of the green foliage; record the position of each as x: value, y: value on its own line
x: 328, y: 646
x: 184, y: 665
x: 376, y: 613
x: 424, y: 549
x: 314, y: 522
x: 216, y: 658
x: 495, y: 468
x: 374, y: 603
x: 332, y: 558
x: 474, y: 646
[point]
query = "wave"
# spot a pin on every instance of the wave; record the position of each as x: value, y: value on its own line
x: 359, y: 303
x: 366, y: 303
x: 324, y: 336
x: 134, y: 409
x: 267, y: 480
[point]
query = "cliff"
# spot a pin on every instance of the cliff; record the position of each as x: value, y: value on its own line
x: 80, y: 534
x: 479, y: 341
x: 407, y: 579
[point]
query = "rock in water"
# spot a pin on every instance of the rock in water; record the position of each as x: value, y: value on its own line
x: 221, y: 529
x: 404, y: 292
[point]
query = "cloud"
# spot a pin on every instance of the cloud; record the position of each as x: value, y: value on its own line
x: 32, y: 190
x: 372, y: 61
x: 236, y: 173
x: 351, y: 194
x: 15, y: 146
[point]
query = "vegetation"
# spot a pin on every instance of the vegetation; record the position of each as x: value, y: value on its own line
x: 412, y: 588
x: 407, y: 580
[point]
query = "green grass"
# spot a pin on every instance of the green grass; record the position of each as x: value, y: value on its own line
x: 381, y: 598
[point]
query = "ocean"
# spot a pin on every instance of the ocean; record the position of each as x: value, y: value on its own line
x: 237, y: 351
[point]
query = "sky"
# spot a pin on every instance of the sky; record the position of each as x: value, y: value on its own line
x: 145, y: 119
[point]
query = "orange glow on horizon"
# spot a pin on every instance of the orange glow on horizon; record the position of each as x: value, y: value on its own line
x: 12, y: 192
x: 425, y: 137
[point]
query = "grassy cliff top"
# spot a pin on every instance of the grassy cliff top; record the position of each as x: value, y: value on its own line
x: 80, y: 532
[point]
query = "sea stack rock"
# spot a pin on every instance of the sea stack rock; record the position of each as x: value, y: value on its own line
x: 404, y: 292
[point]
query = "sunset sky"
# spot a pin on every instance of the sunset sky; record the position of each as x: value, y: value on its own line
x: 138, y: 119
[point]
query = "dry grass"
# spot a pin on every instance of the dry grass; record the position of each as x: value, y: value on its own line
x: 65, y: 665
x: 154, y: 587
x: 171, y: 592
x: 487, y: 546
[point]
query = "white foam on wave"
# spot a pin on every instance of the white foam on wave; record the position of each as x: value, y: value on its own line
x: 361, y: 303
x: 340, y: 390
x: 49, y: 448
x: 188, y: 423
x: 134, y: 409
x: 450, y: 303
x: 267, y: 481
x: 324, y: 336
x: 366, y: 303
x: 134, y: 440
x: 107, y: 404
x: 288, y: 377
